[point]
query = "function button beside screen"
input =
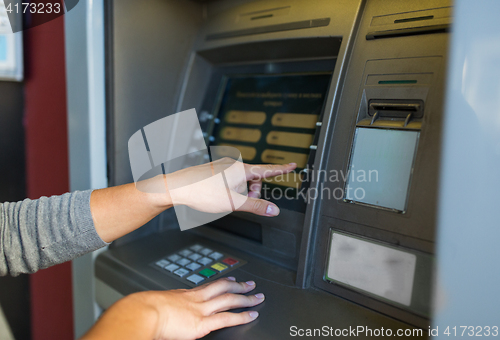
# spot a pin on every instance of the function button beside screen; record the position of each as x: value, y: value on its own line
x: 181, y: 272
x: 183, y: 262
x: 230, y: 261
x: 206, y: 251
x: 171, y: 267
x: 196, y: 247
x: 219, y: 267
x: 195, y: 257
x: 185, y: 252
x: 174, y: 257
x: 204, y: 261
x: 195, y: 278
x: 207, y: 272
x: 216, y: 255
x: 193, y: 266
x: 162, y: 263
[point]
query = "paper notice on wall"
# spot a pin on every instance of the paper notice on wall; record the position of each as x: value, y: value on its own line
x: 11, y: 48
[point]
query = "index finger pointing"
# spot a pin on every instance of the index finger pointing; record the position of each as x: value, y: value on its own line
x: 267, y: 170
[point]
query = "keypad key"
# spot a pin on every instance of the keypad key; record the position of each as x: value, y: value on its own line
x: 193, y: 266
x: 207, y: 272
x: 181, y: 272
x: 206, y: 251
x: 195, y: 278
x: 219, y: 267
x: 185, y: 252
x: 196, y: 247
x: 183, y: 262
x: 171, y: 267
x: 195, y: 257
x: 204, y: 261
x: 174, y: 257
x: 230, y: 261
x: 162, y: 263
x: 215, y: 255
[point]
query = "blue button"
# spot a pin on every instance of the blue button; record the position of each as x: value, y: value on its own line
x: 181, y: 272
x: 172, y: 267
x: 185, y: 252
x: 195, y: 278
x: 174, y: 257
x: 215, y: 255
x: 183, y: 262
x: 195, y: 257
x: 196, y: 247
x: 193, y: 266
x: 162, y: 263
x: 204, y: 261
x: 206, y: 251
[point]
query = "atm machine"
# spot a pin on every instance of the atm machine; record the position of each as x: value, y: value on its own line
x: 351, y: 91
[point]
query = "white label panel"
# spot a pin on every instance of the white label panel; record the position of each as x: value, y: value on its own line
x: 376, y: 269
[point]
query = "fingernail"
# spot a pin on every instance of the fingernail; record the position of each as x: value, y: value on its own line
x: 292, y: 163
x: 254, y: 194
x: 250, y: 283
x: 231, y: 278
x: 272, y: 210
x: 259, y: 296
x: 253, y: 314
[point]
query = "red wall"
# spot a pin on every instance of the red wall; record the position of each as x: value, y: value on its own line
x: 47, y: 167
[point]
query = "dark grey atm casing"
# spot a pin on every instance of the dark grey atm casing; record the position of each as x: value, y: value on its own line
x: 174, y: 60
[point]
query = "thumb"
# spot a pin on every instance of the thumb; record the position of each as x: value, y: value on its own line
x: 260, y: 207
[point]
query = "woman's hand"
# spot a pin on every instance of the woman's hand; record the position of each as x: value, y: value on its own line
x: 219, y: 186
x: 196, y: 187
x: 178, y: 314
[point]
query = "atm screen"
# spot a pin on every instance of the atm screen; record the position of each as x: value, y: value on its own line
x: 272, y: 119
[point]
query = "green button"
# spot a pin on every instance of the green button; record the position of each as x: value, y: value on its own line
x: 207, y: 272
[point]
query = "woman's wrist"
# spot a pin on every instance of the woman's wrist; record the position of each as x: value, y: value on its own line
x: 145, y: 312
x: 156, y: 192
x: 129, y: 318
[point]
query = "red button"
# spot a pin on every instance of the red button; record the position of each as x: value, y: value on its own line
x: 230, y: 261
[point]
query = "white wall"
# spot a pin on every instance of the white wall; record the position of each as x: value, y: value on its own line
x: 84, y: 31
x: 468, y: 250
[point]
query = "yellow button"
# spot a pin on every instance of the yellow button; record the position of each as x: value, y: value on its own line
x: 246, y: 117
x: 240, y: 134
x: 295, y: 120
x: 247, y: 152
x: 292, y: 139
x: 219, y: 267
x: 284, y: 157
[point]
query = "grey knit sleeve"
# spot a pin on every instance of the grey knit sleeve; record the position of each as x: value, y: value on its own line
x: 36, y: 234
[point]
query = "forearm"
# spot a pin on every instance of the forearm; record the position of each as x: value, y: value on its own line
x: 120, y: 210
x: 129, y: 318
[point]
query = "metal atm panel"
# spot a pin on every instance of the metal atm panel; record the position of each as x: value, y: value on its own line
x: 389, y: 120
x: 376, y: 80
